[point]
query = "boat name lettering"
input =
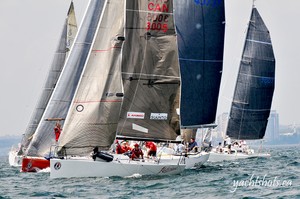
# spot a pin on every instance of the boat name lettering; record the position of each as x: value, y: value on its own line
x: 159, y: 116
x: 158, y: 22
x: 167, y: 169
x: 136, y: 115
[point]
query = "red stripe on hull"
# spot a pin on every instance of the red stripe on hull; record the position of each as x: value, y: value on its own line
x: 34, y: 164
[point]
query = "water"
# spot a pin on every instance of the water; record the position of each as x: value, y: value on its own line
x: 275, y: 177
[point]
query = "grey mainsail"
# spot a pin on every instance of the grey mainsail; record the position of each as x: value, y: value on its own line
x: 93, y: 117
x: 200, y: 27
x: 65, y: 42
x: 255, y: 84
x: 63, y: 93
x: 150, y: 72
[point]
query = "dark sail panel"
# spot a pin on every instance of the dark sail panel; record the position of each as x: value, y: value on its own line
x: 200, y: 29
x: 150, y: 71
x: 255, y: 84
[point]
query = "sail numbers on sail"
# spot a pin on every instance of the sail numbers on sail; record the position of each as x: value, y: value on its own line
x: 159, y: 21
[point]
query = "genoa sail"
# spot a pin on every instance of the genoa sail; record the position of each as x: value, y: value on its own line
x: 64, y: 45
x: 93, y: 117
x: 150, y: 72
x: 255, y: 84
x: 200, y: 27
x: 63, y: 93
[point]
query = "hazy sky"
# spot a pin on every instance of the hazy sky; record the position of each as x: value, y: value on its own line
x: 30, y: 30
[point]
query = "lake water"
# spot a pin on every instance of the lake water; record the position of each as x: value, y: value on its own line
x: 274, y: 177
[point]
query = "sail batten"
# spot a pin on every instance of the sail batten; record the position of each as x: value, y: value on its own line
x: 255, y: 84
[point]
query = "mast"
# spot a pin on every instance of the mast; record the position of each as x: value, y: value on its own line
x: 255, y: 83
x: 63, y: 93
x: 65, y: 42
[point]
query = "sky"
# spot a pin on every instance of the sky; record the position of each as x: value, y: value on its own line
x: 30, y: 30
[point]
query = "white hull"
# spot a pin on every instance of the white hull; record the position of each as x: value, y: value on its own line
x: 219, y: 157
x: 14, y: 159
x: 191, y: 161
x: 68, y: 168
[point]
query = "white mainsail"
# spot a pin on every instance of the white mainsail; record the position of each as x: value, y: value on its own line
x: 93, y: 117
x: 63, y: 93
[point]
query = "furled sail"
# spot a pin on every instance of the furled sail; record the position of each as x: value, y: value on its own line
x: 200, y: 27
x: 150, y: 72
x: 63, y: 93
x: 255, y: 84
x: 64, y: 45
x: 94, y: 114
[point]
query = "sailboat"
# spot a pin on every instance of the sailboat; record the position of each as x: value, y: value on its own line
x: 200, y: 30
x: 128, y: 88
x: 36, y: 161
x: 253, y: 93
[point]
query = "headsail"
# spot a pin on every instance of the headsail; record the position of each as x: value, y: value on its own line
x: 255, y: 84
x: 200, y: 27
x: 93, y: 117
x: 65, y: 42
x: 64, y: 91
x: 150, y: 71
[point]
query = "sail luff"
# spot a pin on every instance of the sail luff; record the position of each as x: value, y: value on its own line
x: 200, y: 27
x: 63, y: 93
x: 255, y: 83
x: 93, y: 117
x: 53, y: 74
x: 150, y: 71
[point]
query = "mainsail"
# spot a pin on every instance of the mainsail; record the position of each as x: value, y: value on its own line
x: 64, y: 45
x: 93, y: 117
x: 255, y: 84
x: 200, y: 27
x: 63, y: 93
x: 150, y: 72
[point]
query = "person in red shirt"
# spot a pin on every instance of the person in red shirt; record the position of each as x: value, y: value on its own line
x: 137, y: 153
x: 57, y: 131
x: 126, y: 147
x: 119, y: 149
x: 152, y: 149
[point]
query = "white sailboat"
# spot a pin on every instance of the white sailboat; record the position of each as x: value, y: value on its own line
x: 61, y: 53
x: 253, y: 94
x: 128, y: 63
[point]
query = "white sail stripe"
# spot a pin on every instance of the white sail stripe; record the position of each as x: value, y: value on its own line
x: 256, y: 76
x: 261, y: 42
x: 151, y: 75
x: 251, y: 109
x: 146, y: 11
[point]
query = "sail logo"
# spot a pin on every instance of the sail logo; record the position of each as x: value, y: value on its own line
x: 57, y: 165
x: 136, y: 115
x: 159, y: 116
